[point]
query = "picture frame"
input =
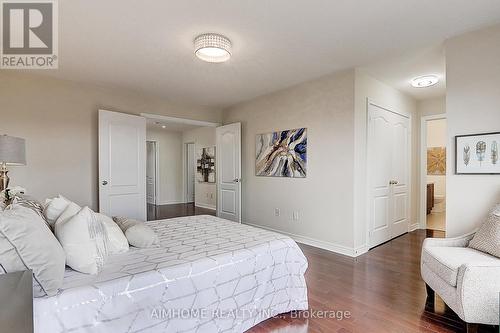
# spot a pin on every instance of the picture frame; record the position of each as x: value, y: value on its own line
x: 477, y: 154
x: 281, y: 153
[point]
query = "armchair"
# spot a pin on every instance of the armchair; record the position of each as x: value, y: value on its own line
x: 467, y: 280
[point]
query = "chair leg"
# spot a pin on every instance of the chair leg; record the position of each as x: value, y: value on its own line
x: 472, y: 328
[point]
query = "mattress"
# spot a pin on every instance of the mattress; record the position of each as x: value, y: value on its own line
x: 207, y: 275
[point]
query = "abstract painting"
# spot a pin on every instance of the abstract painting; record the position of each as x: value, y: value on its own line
x: 282, y: 154
x: 477, y: 154
x: 436, y: 161
x: 205, y: 165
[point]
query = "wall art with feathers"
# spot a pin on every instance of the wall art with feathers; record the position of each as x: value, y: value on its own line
x: 477, y: 154
x: 281, y: 154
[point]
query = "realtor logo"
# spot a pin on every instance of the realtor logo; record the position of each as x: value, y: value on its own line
x: 29, y: 34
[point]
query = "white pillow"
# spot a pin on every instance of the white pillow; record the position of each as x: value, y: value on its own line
x: 138, y: 234
x: 117, y: 241
x: 83, y: 238
x: 27, y: 243
x: 71, y: 210
x: 54, y: 208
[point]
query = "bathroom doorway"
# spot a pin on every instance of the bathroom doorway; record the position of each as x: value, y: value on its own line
x: 434, y: 135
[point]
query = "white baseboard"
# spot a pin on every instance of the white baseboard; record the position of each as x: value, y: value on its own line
x: 200, y: 205
x: 171, y: 202
x: 337, y: 248
x: 414, y: 227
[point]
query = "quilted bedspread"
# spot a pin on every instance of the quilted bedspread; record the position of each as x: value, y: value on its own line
x: 208, y: 275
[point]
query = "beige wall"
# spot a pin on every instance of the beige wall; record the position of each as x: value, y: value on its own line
x: 367, y: 87
x: 169, y: 145
x: 203, y: 137
x: 472, y: 106
x: 431, y: 106
x: 324, y: 200
x: 58, y: 119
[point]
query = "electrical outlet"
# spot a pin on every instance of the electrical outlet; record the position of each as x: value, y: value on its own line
x: 295, y: 216
x: 277, y: 212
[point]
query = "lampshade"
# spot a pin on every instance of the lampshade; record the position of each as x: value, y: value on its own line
x: 12, y: 150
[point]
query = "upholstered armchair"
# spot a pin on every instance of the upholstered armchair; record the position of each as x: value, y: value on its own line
x: 467, y: 280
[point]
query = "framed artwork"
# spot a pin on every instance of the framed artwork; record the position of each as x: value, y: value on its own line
x: 477, y: 154
x: 281, y: 154
x: 205, y: 165
x: 436, y: 161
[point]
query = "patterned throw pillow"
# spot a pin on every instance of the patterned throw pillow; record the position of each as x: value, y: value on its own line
x: 487, y: 238
x: 138, y: 233
x: 31, y: 203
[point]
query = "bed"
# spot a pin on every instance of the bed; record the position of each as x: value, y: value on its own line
x: 207, y: 275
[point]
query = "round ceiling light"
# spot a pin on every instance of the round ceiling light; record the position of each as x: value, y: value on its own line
x: 212, y: 48
x: 424, y: 81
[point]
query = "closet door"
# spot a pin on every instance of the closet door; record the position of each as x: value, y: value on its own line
x: 400, y: 175
x: 388, y: 170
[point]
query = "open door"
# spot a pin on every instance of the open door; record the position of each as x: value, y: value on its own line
x: 122, y: 165
x: 228, y: 142
x: 151, y: 162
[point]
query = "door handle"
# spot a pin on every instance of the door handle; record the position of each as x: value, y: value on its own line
x: 393, y: 182
x: 104, y: 182
x: 237, y: 180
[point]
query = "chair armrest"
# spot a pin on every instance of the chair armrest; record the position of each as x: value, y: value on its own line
x: 461, y: 241
x: 478, y: 287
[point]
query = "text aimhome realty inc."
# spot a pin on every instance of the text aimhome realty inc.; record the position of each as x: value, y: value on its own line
x: 203, y: 313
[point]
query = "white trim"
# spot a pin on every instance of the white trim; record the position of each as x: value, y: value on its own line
x: 423, y: 167
x: 413, y: 227
x: 332, y: 247
x: 170, y: 202
x: 176, y: 120
x: 157, y: 171
x: 200, y: 205
x: 184, y: 171
x: 368, y: 180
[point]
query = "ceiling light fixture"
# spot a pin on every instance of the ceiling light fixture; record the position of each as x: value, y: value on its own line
x: 212, y: 48
x: 163, y: 126
x: 424, y: 81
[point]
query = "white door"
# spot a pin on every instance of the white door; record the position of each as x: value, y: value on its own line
x: 190, y: 163
x: 228, y: 169
x: 122, y: 165
x: 151, y: 172
x: 388, y: 174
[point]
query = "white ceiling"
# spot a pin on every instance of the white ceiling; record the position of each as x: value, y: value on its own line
x: 148, y: 45
x: 398, y: 71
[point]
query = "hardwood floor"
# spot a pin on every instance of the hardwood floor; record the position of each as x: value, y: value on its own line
x: 382, y: 290
x: 176, y: 210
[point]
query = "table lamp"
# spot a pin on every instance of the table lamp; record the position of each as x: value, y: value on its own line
x: 12, y: 152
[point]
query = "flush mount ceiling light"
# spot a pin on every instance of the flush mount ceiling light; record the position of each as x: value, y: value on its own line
x: 212, y: 48
x: 424, y: 81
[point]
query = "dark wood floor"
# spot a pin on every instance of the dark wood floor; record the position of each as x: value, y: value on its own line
x: 382, y: 289
x: 176, y: 210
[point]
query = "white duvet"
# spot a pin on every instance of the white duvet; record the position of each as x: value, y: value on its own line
x: 208, y: 275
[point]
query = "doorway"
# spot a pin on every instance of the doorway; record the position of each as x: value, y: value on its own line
x: 190, y: 172
x: 151, y: 171
x: 388, y: 174
x: 433, y: 172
